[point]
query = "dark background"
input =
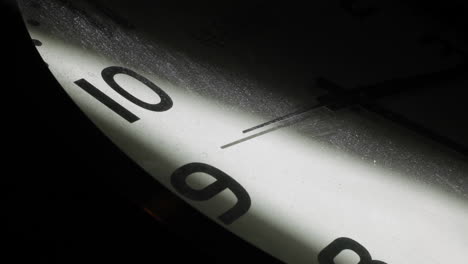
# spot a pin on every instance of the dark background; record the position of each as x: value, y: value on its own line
x: 73, y: 197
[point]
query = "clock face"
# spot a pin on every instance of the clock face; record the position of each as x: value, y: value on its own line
x: 281, y: 124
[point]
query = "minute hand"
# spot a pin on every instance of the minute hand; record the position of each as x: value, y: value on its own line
x: 339, y: 97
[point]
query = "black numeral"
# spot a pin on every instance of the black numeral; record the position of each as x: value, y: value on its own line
x: 327, y: 255
x: 108, y: 75
x: 107, y: 101
x: 223, y: 181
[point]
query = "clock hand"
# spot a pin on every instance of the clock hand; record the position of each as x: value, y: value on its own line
x: 284, y: 117
x: 339, y: 98
x: 364, y: 96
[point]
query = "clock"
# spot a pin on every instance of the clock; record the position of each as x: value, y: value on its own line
x: 294, y: 128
